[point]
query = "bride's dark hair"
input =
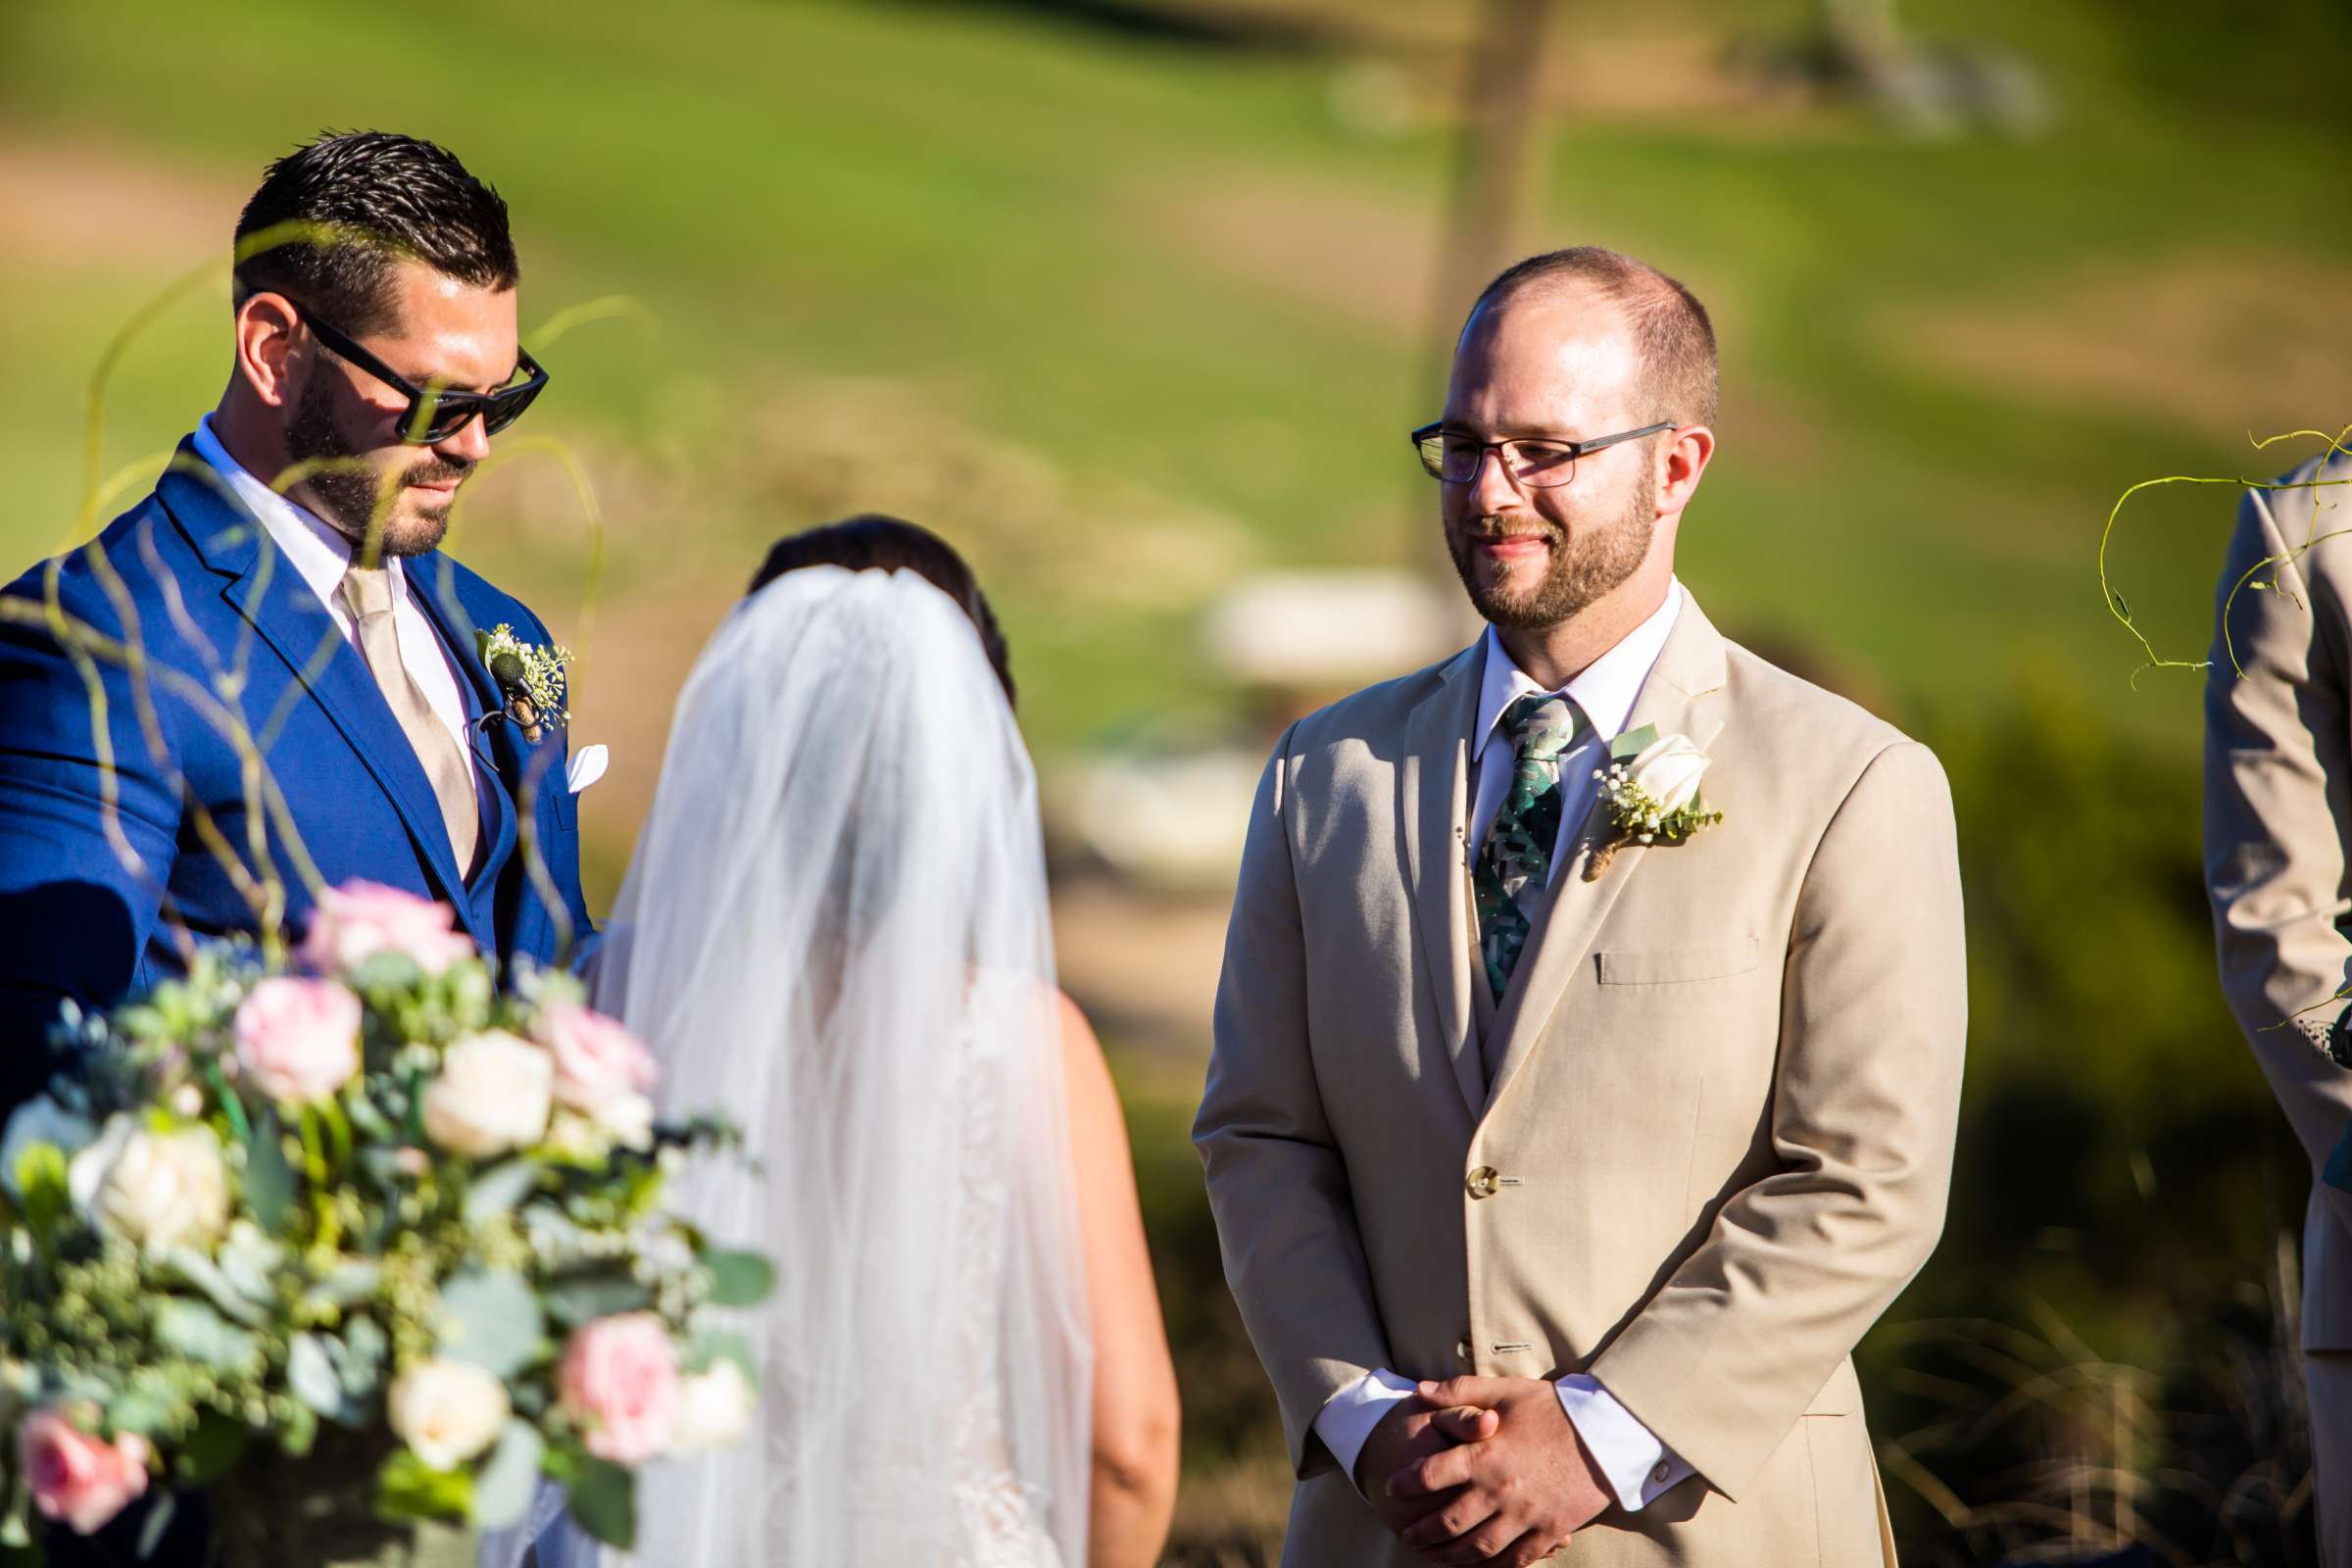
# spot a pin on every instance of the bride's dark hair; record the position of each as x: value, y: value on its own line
x: 873, y: 542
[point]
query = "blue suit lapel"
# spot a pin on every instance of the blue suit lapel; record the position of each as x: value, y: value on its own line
x: 283, y: 612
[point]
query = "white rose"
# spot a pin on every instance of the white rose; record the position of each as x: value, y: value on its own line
x: 156, y: 1189
x: 1668, y: 770
x: 493, y: 1095
x: 628, y: 1120
x: 714, y: 1408
x: 447, y: 1411
x: 40, y: 1121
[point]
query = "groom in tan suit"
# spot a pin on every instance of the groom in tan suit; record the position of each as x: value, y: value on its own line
x: 1624, y: 1132
x: 2277, y: 845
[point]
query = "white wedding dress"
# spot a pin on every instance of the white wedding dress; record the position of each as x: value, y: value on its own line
x: 834, y: 932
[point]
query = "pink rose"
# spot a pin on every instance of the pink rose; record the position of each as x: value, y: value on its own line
x: 602, y: 1070
x: 620, y: 1380
x: 360, y: 919
x: 298, y: 1040
x: 73, y: 1476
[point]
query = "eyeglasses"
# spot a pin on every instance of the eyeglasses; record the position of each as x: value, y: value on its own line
x: 434, y: 413
x: 1453, y: 458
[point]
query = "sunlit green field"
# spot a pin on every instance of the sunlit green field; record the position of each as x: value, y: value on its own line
x: 1129, y: 319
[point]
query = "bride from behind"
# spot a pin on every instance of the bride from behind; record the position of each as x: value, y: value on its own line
x: 836, y: 926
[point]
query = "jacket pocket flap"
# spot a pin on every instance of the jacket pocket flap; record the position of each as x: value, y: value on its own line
x: 1665, y: 967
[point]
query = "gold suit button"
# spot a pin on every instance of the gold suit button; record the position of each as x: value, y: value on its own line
x: 1484, y: 1182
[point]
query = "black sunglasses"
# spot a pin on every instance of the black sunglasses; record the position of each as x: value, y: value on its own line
x: 432, y: 412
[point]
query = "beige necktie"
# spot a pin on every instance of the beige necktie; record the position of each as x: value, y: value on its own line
x: 368, y: 591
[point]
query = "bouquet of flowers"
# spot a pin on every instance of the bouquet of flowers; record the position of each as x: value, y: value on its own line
x: 363, y: 1245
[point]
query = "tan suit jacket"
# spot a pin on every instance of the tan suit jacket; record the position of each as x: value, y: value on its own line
x: 2277, y: 823
x: 1721, y: 1119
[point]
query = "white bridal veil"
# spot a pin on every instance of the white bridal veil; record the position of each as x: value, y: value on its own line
x: 835, y: 931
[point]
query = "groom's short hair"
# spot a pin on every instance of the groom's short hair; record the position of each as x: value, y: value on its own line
x: 1671, y: 329
x: 332, y: 216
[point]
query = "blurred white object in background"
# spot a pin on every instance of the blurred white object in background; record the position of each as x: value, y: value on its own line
x: 1329, y: 633
x: 1170, y: 817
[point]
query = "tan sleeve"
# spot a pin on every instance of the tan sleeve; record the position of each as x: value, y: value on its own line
x: 1285, y: 1219
x: 2277, y: 778
x: 1724, y: 1359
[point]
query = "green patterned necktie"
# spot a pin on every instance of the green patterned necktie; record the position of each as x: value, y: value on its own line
x: 1514, y: 864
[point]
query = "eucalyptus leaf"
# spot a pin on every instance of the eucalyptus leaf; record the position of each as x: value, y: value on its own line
x: 385, y: 970
x: 499, y: 1188
x: 250, y: 1260
x: 739, y: 1279
x: 1632, y: 742
x: 604, y: 1503
x: 716, y: 1345
x: 575, y: 1298
x: 491, y: 1318
x: 269, y: 1179
x: 508, y: 1479
x: 352, y: 1280
x: 311, y: 1372
x: 198, y: 1331
x: 200, y: 1271
x: 360, y: 1356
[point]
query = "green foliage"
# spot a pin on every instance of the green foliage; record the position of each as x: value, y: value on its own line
x: 492, y: 1318
x: 738, y: 1279
x: 604, y: 1503
x: 410, y: 1489
x: 508, y: 1479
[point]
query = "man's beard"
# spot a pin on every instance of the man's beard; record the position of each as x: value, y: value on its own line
x: 345, y: 487
x: 1599, y: 561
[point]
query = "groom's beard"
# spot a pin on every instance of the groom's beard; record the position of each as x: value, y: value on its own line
x: 1599, y: 561
x: 345, y: 489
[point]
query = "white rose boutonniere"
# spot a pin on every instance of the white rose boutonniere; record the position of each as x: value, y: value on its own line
x: 1650, y: 790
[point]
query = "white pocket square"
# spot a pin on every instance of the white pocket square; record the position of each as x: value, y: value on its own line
x: 587, y: 766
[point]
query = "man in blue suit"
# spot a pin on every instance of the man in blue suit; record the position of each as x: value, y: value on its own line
x: 265, y: 677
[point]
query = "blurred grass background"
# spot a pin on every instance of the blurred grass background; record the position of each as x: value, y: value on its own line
x: 1131, y: 299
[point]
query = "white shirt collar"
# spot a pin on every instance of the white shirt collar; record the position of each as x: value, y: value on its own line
x: 317, y: 553
x: 1605, y: 691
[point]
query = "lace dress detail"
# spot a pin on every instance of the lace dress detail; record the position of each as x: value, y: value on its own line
x: 1001, y: 1521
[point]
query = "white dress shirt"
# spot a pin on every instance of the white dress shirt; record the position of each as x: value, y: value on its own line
x: 320, y: 555
x: 1631, y: 1459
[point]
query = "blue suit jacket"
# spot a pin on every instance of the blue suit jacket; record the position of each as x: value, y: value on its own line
x: 230, y: 635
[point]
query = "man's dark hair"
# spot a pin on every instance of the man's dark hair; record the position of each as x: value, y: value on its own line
x: 873, y: 542
x: 1671, y: 329
x: 348, y: 207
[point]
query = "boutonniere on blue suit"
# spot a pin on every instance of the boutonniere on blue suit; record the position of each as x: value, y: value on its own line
x: 1650, y: 791
x: 531, y: 680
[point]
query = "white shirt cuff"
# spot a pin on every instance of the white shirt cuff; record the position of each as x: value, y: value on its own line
x: 1349, y: 1416
x: 1636, y: 1464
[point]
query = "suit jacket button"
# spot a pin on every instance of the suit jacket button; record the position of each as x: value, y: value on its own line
x: 1461, y: 1351
x: 1484, y: 1182
x: 1662, y: 1471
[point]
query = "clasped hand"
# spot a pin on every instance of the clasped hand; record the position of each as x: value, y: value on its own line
x: 1481, y: 1470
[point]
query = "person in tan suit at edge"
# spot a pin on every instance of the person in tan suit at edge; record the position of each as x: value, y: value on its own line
x: 1629, y: 1156
x: 2278, y: 774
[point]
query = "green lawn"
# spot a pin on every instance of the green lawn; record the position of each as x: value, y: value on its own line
x: 1161, y: 275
